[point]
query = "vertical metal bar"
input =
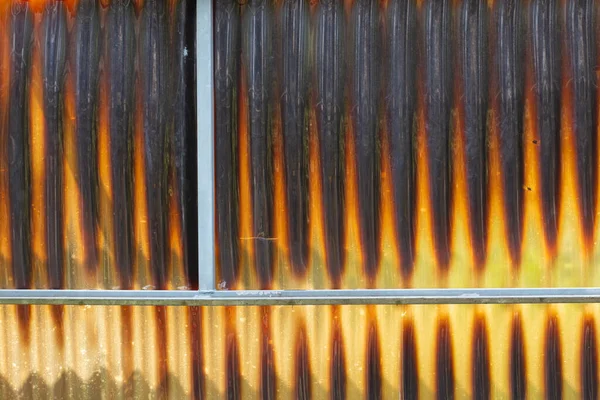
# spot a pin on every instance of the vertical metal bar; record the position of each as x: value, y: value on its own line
x: 204, y: 79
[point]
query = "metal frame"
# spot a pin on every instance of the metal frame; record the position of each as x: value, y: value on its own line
x: 208, y: 296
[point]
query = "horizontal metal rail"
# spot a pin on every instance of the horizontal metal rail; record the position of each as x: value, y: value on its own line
x: 300, y: 297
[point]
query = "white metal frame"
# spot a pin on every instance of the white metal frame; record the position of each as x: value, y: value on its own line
x: 208, y: 296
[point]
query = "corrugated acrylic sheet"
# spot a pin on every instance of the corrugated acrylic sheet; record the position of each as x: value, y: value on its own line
x: 358, y: 144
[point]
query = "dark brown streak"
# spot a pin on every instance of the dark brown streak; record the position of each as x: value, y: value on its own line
x: 553, y: 360
x: 153, y: 72
x: 226, y: 80
x: 337, y: 368
x: 400, y: 95
x: 589, y: 360
x: 197, y: 352
x: 257, y: 34
x: 54, y: 48
x: 518, y: 382
x: 438, y: 85
x: 474, y: 65
x: 365, y: 113
x: 510, y: 108
x: 409, y: 368
x: 302, y: 376
x: 546, y: 63
x: 329, y: 93
x: 581, y: 52
x: 294, y: 28
x: 444, y: 364
x: 233, y: 375
x: 120, y: 54
x: 267, y: 358
x: 161, y: 346
x: 86, y: 60
x: 18, y: 143
x: 373, y: 368
x: 480, y: 361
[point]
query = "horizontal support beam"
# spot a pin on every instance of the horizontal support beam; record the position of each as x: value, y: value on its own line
x: 300, y: 297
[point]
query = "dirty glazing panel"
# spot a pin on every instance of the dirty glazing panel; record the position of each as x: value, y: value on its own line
x: 97, y: 137
x: 406, y: 144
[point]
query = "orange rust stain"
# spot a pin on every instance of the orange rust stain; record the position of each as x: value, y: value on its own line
x: 280, y: 209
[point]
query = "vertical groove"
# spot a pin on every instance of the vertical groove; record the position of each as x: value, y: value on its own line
x: 474, y: 65
x: 438, y: 85
x: 267, y: 358
x: 86, y: 61
x: 329, y: 91
x: 21, y: 38
x: 510, y: 116
x: 373, y: 368
x: 302, y: 378
x: 580, y: 36
x: 553, y: 379
x: 409, y: 364
x: 233, y: 376
x: 365, y: 114
x: 480, y: 360
x: 444, y: 361
x: 54, y: 48
x: 589, y: 360
x: 294, y: 114
x: 257, y: 34
x: 226, y: 79
x: 337, y: 367
x: 518, y: 373
x: 154, y: 76
x: 400, y: 95
x: 119, y: 63
x: 545, y: 37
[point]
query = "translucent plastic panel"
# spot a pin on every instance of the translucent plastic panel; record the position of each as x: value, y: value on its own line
x: 97, y: 144
x: 406, y: 143
x: 351, y: 352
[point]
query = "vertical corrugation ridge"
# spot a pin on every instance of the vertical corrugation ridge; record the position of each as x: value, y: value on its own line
x: 86, y: 61
x: 480, y: 360
x: 233, y: 375
x: 294, y: 53
x: 226, y: 49
x: 54, y: 50
x: 373, y: 368
x: 438, y: 85
x: 588, y: 357
x: 553, y: 370
x: 545, y: 36
x: 337, y: 366
x: 21, y: 38
x: 257, y: 43
x: 268, y: 377
x: 444, y: 361
x: 509, y: 114
x: 473, y: 30
x: 119, y: 64
x: 400, y: 95
x: 365, y: 114
x: 329, y: 33
x: 409, y: 363
x: 302, y: 372
x: 580, y: 32
x: 153, y: 73
x: 518, y: 373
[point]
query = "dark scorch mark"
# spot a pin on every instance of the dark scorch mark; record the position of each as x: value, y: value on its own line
x: 302, y: 378
x: 233, y: 376
x: 337, y: 367
x: 197, y: 352
x: 400, y: 95
x: 438, y: 85
x: 409, y: 364
x: 474, y: 67
x: 365, y: 114
x: 509, y: 116
x: 373, y: 367
x: 329, y: 93
x: 86, y: 60
x: 580, y: 43
x: 119, y: 64
x: 589, y: 360
x: 153, y: 61
x: 444, y: 361
x: 294, y: 27
x: 480, y: 361
x: 545, y: 36
x: 21, y: 38
x: 257, y: 51
x: 226, y: 49
x: 267, y: 357
x: 54, y: 50
x: 553, y: 360
x: 518, y: 383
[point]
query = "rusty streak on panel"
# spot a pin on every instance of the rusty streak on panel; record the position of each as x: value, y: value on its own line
x: 268, y: 377
x: 197, y: 352
x: 518, y: 373
x: 232, y: 373
x: 373, y: 369
x: 409, y: 363
x: 553, y: 370
x: 589, y: 359
x: 444, y: 361
x: 302, y: 372
x: 480, y: 360
x: 337, y: 366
